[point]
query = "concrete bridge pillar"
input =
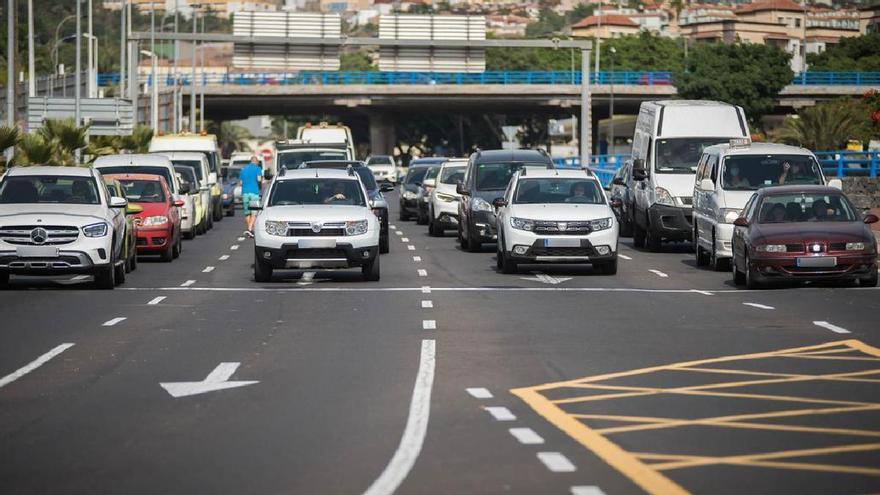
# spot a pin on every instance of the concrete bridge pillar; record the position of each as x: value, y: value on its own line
x: 382, y: 135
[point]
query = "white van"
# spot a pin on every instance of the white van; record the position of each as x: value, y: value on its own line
x: 142, y: 164
x: 326, y: 133
x: 728, y: 175
x: 199, y: 163
x: 203, y: 143
x: 669, y: 139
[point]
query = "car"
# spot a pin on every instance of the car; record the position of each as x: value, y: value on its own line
x: 374, y: 193
x: 384, y: 168
x: 159, y: 221
x: 199, y: 163
x: 487, y: 175
x: 324, y: 132
x: 141, y: 164
x: 728, y: 175
x: 231, y: 188
x: 293, y: 153
x: 194, y: 213
x: 201, y: 143
x: 555, y: 216
x: 423, y: 196
x: 411, y: 183
x: 801, y: 233
x: 61, y: 220
x: 622, y: 189
x: 131, y: 210
x: 443, y: 205
x: 315, y: 218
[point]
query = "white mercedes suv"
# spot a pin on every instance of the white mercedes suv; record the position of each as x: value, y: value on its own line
x: 556, y: 216
x: 315, y: 218
x: 60, y: 220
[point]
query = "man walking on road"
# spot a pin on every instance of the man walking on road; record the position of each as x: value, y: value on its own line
x: 251, y: 177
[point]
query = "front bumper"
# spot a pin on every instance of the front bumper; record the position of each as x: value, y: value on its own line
x: 785, y: 267
x: 153, y: 240
x: 77, y: 258
x: 723, y: 240
x: 537, y: 250
x: 292, y: 256
x: 409, y: 205
x: 483, y: 223
x: 671, y: 223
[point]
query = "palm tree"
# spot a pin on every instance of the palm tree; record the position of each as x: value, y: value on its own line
x: 826, y: 126
x: 9, y: 137
x: 33, y: 149
x: 64, y: 138
x: 232, y: 137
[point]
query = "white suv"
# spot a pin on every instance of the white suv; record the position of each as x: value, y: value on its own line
x: 316, y: 218
x: 60, y: 220
x: 556, y: 216
x: 443, y: 204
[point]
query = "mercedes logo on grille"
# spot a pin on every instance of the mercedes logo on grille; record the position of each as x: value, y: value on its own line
x: 39, y: 235
x: 316, y: 227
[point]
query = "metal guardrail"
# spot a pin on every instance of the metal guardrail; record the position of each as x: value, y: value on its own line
x: 623, y: 78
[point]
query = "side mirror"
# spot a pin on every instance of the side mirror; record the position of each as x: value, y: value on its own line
x: 185, y: 187
x: 616, y: 203
x: 499, y: 202
x: 707, y: 185
x: 618, y: 181
x: 255, y: 205
x: 460, y: 189
x: 178, y: 203
x: 639, y: 171
x: 116, y: 202
x: 836, y: 184
x: 386, y: 186
x: 133, y: 209
x: 742, y: 222
x: 871, y: 218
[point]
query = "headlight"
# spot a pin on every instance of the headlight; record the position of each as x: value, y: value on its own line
x: 480, y: 204
x: 771, y: 248
x: 274, y: 227
x: 356, y: 227
x: 855, y: 246
x: 156, y: 221
x: 409, y: 195
x: 663, y: 197
x: 95, y: 230
x: 600, y: 224
x: 448, y: 198
x: 729, y: 215
x: 522, y: 224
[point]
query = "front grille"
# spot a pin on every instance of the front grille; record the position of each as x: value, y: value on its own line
x: 141, y: 241
x: 312, y: 233
x: 317, y: 253
x: 548, y: 227
x: 56, y: 234
x: 794, y: 248
x: 837, y: 246
x: 561, y: 251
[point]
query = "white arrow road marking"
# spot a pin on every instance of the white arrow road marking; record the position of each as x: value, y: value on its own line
x: 36, y: 363
x: 414, y: 432
x: 399, y: 233
x: 759, y: 306
x: 417, y: 258
x: 829, y: 326
x: 216, y: 380
x: 526, y: 436
x: 110, y: 323
x: 404, y: 239
x: 658, y: 273
x: 479, y: 392
x: 392, y: 226
x: 423, y: 273
x: 546, y: 279
x: 411, y: 247
x: 556, y: 462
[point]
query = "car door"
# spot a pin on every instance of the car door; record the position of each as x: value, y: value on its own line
x: 740, y: 234
x: 115, y: 216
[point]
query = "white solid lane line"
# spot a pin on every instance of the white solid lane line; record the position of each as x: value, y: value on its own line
x: 829, y: 326
x: 411, y: 247
x: 759, y: 306
x: 156, y: 300
x: 423, y: 272
x: 208, y: 269
x: 224, y: 257
x: 187, y: 283
x: 556, y: 462
x: 110, y: 323
x: 526, y: 436
x: 658, y: 273
x: 36, y: 363
x: 233, y: 247
x: 500, y: 413
x: 427, y: 304
x: 479, y: 392
x: 417, y: 258
x: 404, y: 239
x: 429, y: 324
x: 623, y: 256
x: 416, y: 427
x: 586, y: 490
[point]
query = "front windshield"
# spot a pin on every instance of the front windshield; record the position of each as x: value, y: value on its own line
x: 233, y: 173
x: 49, y: 189
x: 809, y: 207
x: 317, y: 192
x: 556, y: 191
x: 749, y: 172
x: 140, y: 169
x: 495, y: 176
x: 195, y: 164
x: 187, y: 173
x: 143, y: 191
x: 415, y: 175
x: 452, y: 175
x: 681, y: 155
x: 380, y: 160
x: 293, y: 159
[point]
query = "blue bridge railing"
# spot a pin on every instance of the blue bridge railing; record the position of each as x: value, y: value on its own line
x: 623, y: 78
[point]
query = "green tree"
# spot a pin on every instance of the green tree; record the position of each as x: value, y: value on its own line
x: 9, y: 137
x: 359, y: 60
x: 34, y: 150
x: 644, y: 51
x: 826, y: 126
x: 549, y: 23
x: 748, y: 75
x: 231, y: 137
x: 861, y: 53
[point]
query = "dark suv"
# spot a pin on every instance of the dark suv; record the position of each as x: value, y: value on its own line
x: 487, y: 176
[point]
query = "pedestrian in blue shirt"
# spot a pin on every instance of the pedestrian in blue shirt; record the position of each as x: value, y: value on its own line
x: 251, y: 177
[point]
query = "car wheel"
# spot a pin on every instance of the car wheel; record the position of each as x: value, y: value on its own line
x: 739, y: 277
x: 105, y: 278
x: 870, y: 280
x: 421, y: 219
x: 718, y: 264
x: 120, y: 273
x: 134, y: 260
x: 4, y: 281
x: 127, y: 264
x: 751, y: 275
x: 638, y: 236
x: 626, y: 228
x: 262, y: 270
x: 461, y: 239
x: 370, y: 270
x: 209, y: 222
x: 218, y: 212
x: 168, y: 254
x: 473, y: 245
x: 606, y: 267
x: 403, y: 216
x: 652, y: 241
x: 384, y: 244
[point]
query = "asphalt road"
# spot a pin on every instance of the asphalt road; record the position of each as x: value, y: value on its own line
x: 444, y: 377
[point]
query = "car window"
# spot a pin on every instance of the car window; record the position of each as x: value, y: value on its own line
x: 681, y: 155
x: 188, y: 173
x: 50, y: 189
x: 452, y: 175
x: 556, y: 191
x: 317, y: 191
x: 750, y: 172
x: 233, y: 173
x: 367, y: 178
x: 293, y: 159
x: 805, y: 207
x: 432, y: 173
x: 749, y: 207
x: 195, y: 164
x: 380, y: 160
x: 494, y: 176
x: 415, y: 175
x: 143, y: 191
x: 140, y: 169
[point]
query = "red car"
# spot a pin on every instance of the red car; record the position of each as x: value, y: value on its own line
x: 803, y: 233
x: 159, y: 223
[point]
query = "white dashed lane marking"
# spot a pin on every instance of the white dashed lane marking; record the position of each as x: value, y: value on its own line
x: 526, y: 436
x: 114, y: 321
x: 398, y: 232
x: 426, y: 290
x: 759, y: 306
x: 411, y: 247
x: 427, y: 304
x: 586, y: 490
x: 429, y: 324
x: 36, y: 363
x: 658, y: 273
x: 829, y: 326
x: 233, y: 247
x: 423, y: 273
x: 556, y: 462
x: 624, y: 256
x: 501, y: 413
x: 392, y: 227
x: 208, y: 269
x: 417, y: 258
x: 479, y: 392
x: 224, y: 257
x: 187, y: 283
x: 240, y: 239
x: 156, y: 300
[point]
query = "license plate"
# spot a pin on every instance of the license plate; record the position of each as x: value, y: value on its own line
x: 37, y: 252
x: 562, y: 243
x: 817, y: 262
x: 317, y: 243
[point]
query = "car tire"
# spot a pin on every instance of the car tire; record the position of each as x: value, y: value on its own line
x: 105, y: 278
x: 370, y: 270
x: 230, y: 212
x: 4, y: 281
x: 176, y: 248
x: 403, y: 216
x: 626, y: 229
x: 384, y: 244
x: 606, y: 267
x: 209, y: 222
x: 653, y: 241
x: 739, y: 278
x: 168, y: 254
x: 134, y: 260
x: 473, y: 245
x: 421, y: 219
x: 262, y: 270
x: 638, y: 236
x: 870, y: 280
x: 717, y: 264
x: 752, y: 279
x: 461, y: 240
x: 218, y: 212
x: 120, y: 273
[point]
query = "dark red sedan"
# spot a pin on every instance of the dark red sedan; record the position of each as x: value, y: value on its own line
x: 803, y: 233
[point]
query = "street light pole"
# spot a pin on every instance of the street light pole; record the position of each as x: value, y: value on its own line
x: 154, y: 91
x: 613, y: 52
x: 202, y: 85
x: 10, y: 70
x: 192, y: 85
x: 122, y: 47
x: 32, y: 80
x: 77, y: 78
x: 586, y: 122
x: 175, y: 105
x: 93, y: 77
